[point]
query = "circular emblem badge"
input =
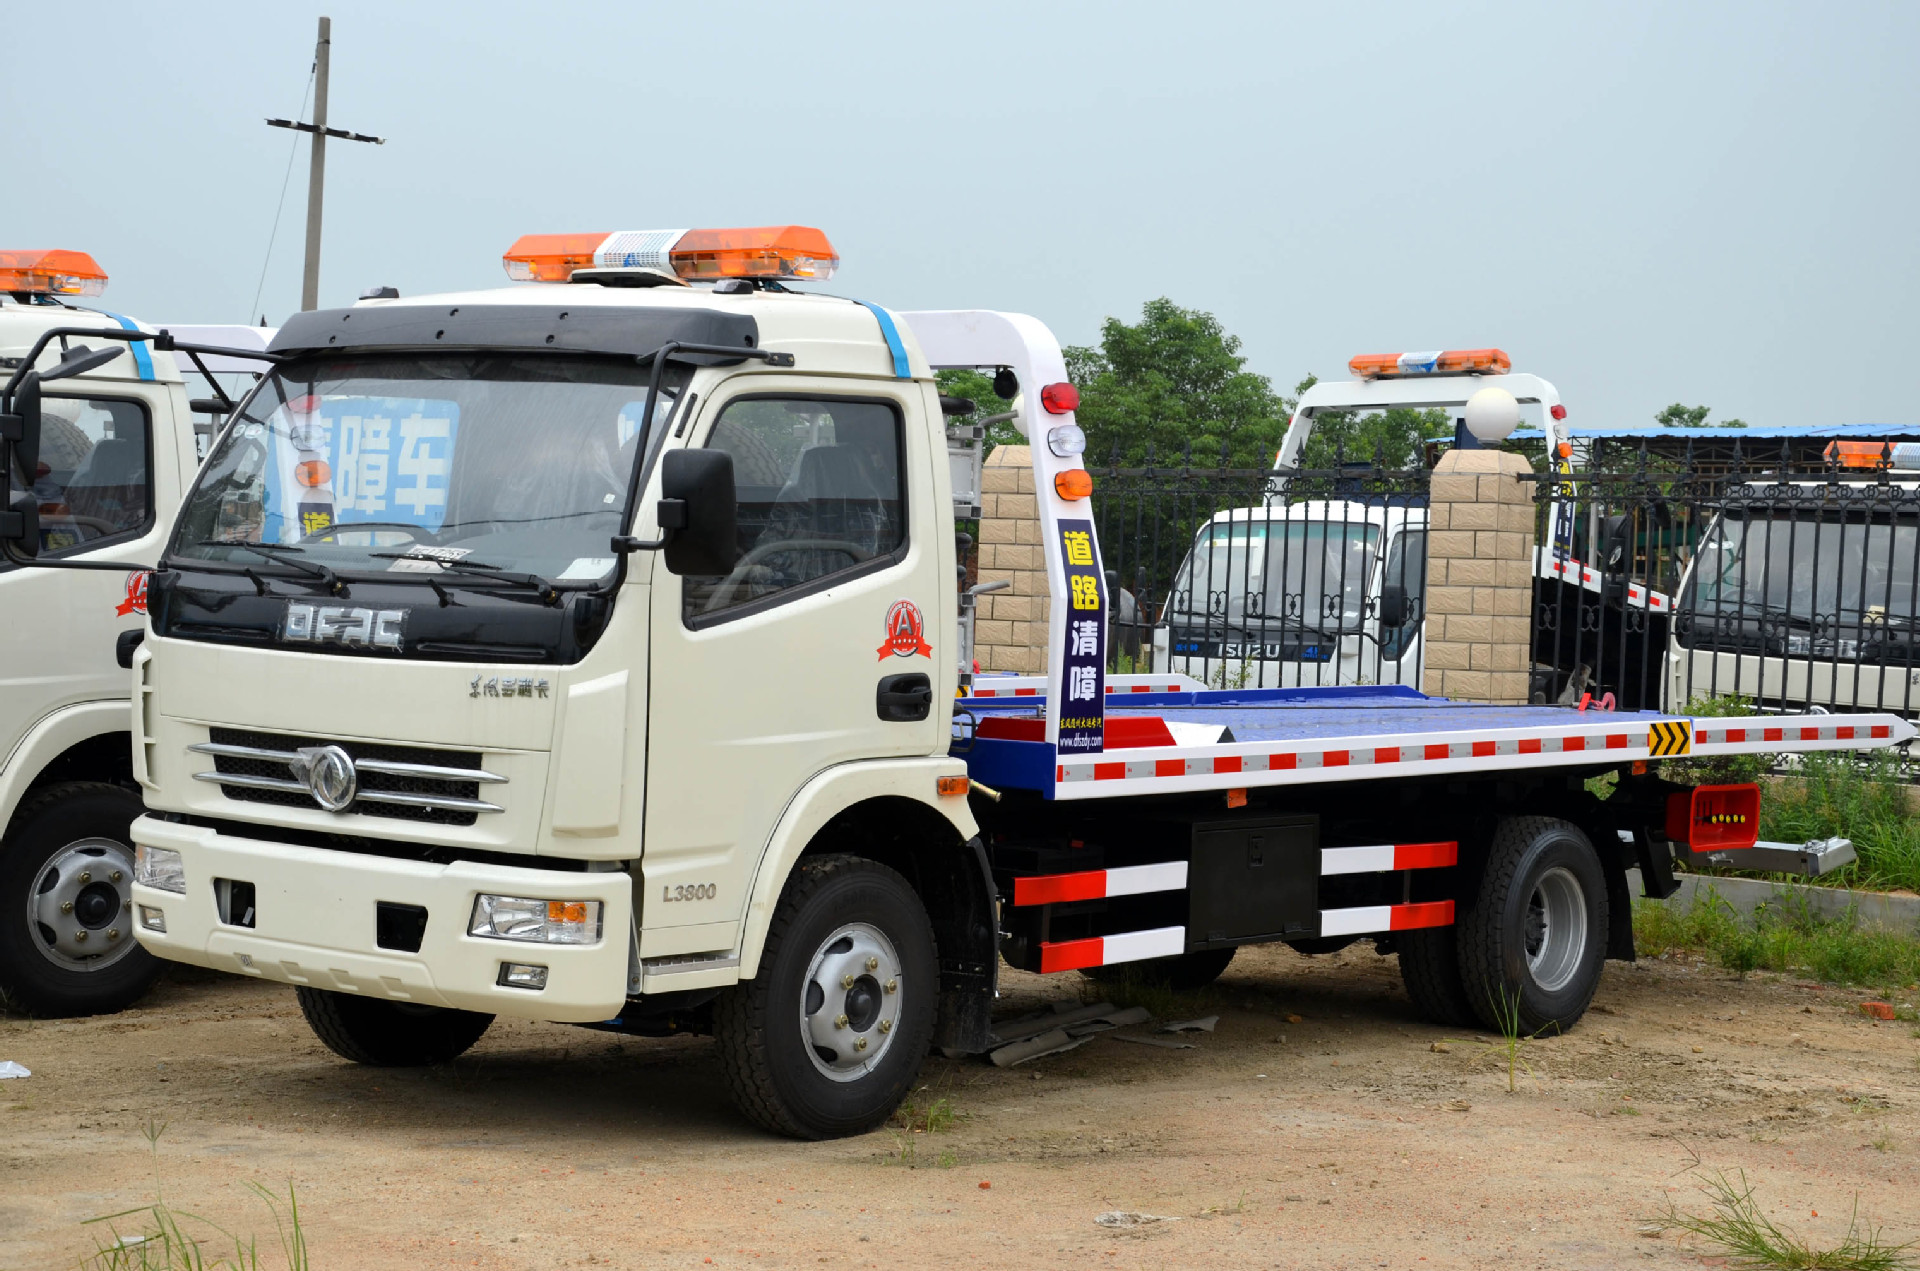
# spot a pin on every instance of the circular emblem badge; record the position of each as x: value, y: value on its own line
x: 136, y: 599
x: 906, y: 632
x: 329, y: 774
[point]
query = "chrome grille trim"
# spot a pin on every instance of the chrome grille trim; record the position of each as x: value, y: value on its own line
x: 385, y: 767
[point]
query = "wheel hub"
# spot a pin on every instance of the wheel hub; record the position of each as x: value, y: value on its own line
x: 1555, y: 928
x: 81, y: 907
x: 851, y: 1001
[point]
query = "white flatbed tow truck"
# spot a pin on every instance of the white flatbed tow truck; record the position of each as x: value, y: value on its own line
x: 587, y: 651
x: 116, y: 451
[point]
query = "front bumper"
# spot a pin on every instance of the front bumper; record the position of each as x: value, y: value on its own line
x: 314, y: 925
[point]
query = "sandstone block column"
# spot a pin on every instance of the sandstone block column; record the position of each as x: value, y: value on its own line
x: 1479, y: 612
x: 1010, y: 626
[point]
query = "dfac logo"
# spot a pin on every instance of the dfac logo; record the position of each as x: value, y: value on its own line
x: 905, y: 632
x: 136, y: 601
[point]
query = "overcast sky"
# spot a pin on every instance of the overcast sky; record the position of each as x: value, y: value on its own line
x: 1714, y: 203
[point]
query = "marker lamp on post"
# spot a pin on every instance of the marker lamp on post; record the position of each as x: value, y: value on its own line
x: 1067, y: 440
x: 160, y: 868
x: 536, y: 921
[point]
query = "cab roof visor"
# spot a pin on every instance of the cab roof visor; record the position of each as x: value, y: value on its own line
x: 637, y: 332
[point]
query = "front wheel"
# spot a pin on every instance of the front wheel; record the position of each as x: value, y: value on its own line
x: 826, y: 1040
x: 1533, y: 943
x: 66, y: 904
x: 383, y: 1034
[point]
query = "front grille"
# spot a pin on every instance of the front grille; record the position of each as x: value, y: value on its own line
x: 406, y: 783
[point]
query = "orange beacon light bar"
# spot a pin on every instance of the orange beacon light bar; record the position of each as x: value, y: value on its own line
x: 1373, y: 366
x: 676, y: 255
x: 53, y: 273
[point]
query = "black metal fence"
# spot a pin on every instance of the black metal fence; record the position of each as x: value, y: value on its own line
x: 1258, y: 577
x: 1784, y: 573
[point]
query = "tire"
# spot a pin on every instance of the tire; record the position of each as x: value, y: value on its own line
x: 1183, y: 972
x: 382, y: 1034
x: 1534, y: 941
x: 66, y: 904
x: 1430, y: 968
x: 805, y: 1054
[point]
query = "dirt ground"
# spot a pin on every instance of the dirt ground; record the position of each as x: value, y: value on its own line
x: 1319, y: 1126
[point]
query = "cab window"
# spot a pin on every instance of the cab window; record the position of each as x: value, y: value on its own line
x: 93, y: 480
x: 821, y: 496
x: 1406, y: 568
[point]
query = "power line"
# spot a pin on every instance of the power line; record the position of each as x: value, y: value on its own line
x: 293, y: 152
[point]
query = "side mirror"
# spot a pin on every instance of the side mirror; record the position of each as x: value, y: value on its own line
x: 1393, y: 606
x: 698, y: 510
x: 19, y: 462
x: 1616, y: 545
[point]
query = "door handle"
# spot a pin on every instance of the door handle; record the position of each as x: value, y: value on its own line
x: 904, y: 699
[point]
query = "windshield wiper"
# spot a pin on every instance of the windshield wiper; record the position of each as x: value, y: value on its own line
x: 312, y: 569
x: 482, y: 569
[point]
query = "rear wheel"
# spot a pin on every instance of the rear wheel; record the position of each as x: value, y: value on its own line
x: 369, y: 1030
x: 1430, y: 968
x: 66, y: 904
x: 1183, y: 972
x: 1533, y: 943
x: 826, y: 1040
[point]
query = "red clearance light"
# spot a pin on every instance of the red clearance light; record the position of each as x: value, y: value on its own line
x: 1060, y: 399
x: 1714, y: 818
x: 1371, y: 366
x: 56, y: 273
x: 1558, y: 411
x: 686, y: 255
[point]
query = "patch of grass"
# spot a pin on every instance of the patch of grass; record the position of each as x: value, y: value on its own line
x: 1737, y: 1229
x: 165, y: 1238
x: 914, y: 1120
x: 1862, y: 798
x: 1787, y: 939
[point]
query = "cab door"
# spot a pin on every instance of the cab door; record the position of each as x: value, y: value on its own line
x: 829, y: 642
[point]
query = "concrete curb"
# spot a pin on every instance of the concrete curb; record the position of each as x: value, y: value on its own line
x: 1744, y: 895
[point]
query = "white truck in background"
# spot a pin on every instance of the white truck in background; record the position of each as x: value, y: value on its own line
x: 1325, y: 591
x: 117, y: 448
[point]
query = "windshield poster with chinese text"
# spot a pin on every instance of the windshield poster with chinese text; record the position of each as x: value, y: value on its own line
x: 362, y: 459
x: 1083, y: 714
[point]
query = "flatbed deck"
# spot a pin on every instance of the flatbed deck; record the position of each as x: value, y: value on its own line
x: 1300, y: 736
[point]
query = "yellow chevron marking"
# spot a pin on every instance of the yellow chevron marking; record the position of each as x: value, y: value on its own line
x: 1665, y: 740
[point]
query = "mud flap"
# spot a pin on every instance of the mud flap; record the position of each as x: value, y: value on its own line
x: 969, y: 965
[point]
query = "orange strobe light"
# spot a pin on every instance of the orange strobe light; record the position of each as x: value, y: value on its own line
x: 685, y: 255
x: 1372, y: 366
x: 54, y: 273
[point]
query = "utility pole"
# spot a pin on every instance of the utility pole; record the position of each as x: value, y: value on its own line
x: 317, y: 168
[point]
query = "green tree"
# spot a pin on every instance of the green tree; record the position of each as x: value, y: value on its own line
x: 1173, y: 379
x: 978, y: 389
x: 1679, y: 416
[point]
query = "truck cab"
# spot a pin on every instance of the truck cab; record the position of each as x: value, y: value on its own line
x: 117, y: 448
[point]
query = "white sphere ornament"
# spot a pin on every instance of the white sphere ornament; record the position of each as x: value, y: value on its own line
x: 1492, y: 414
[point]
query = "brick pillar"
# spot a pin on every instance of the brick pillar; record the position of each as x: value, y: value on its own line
x: 1480, y: 578
x: 1010, y: 627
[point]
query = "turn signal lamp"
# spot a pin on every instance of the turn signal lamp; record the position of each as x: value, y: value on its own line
x: 1374, y: 366
x: 1870, y: 454
x: 1073, y: 484
x: 52, y: 273
x: 676, y: 255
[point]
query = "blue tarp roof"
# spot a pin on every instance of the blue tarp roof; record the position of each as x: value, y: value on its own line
x: 1778, y: 432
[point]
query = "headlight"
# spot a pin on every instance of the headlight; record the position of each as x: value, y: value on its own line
x: 537, y: 921
x: 159, y: 867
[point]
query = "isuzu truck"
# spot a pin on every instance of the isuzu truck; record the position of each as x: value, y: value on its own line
x: 586, y: 650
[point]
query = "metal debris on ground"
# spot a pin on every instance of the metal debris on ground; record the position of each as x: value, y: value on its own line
x: 1204, y: 1025
x: 1127, y: 1220
x: 1165, y: 1043
x: 1051, y: 1032
x: 1053, y: 1042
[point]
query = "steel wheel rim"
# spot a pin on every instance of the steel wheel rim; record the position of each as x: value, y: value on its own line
x: 1555, y: 928
x: 80, y: 910
x: 850, y: 1002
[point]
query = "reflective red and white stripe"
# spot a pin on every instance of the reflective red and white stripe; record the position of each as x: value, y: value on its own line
x: 1377, y: 858
x: 1589, y: 578
x: 1128, y: 946
x: 1705, y: 735
x: 1098, y: 884
x: 1365, y: 920
x: 1036, y: 685
x: 1205, y: 765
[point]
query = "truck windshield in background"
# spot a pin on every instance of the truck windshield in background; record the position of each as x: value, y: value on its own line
x: 391, y: 464
x: 1304, y: 575
x: 1825, y: 587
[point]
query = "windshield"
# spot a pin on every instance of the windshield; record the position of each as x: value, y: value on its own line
x: 1808, y: 568
x: 423, y: 465
x: 1310, y: 573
